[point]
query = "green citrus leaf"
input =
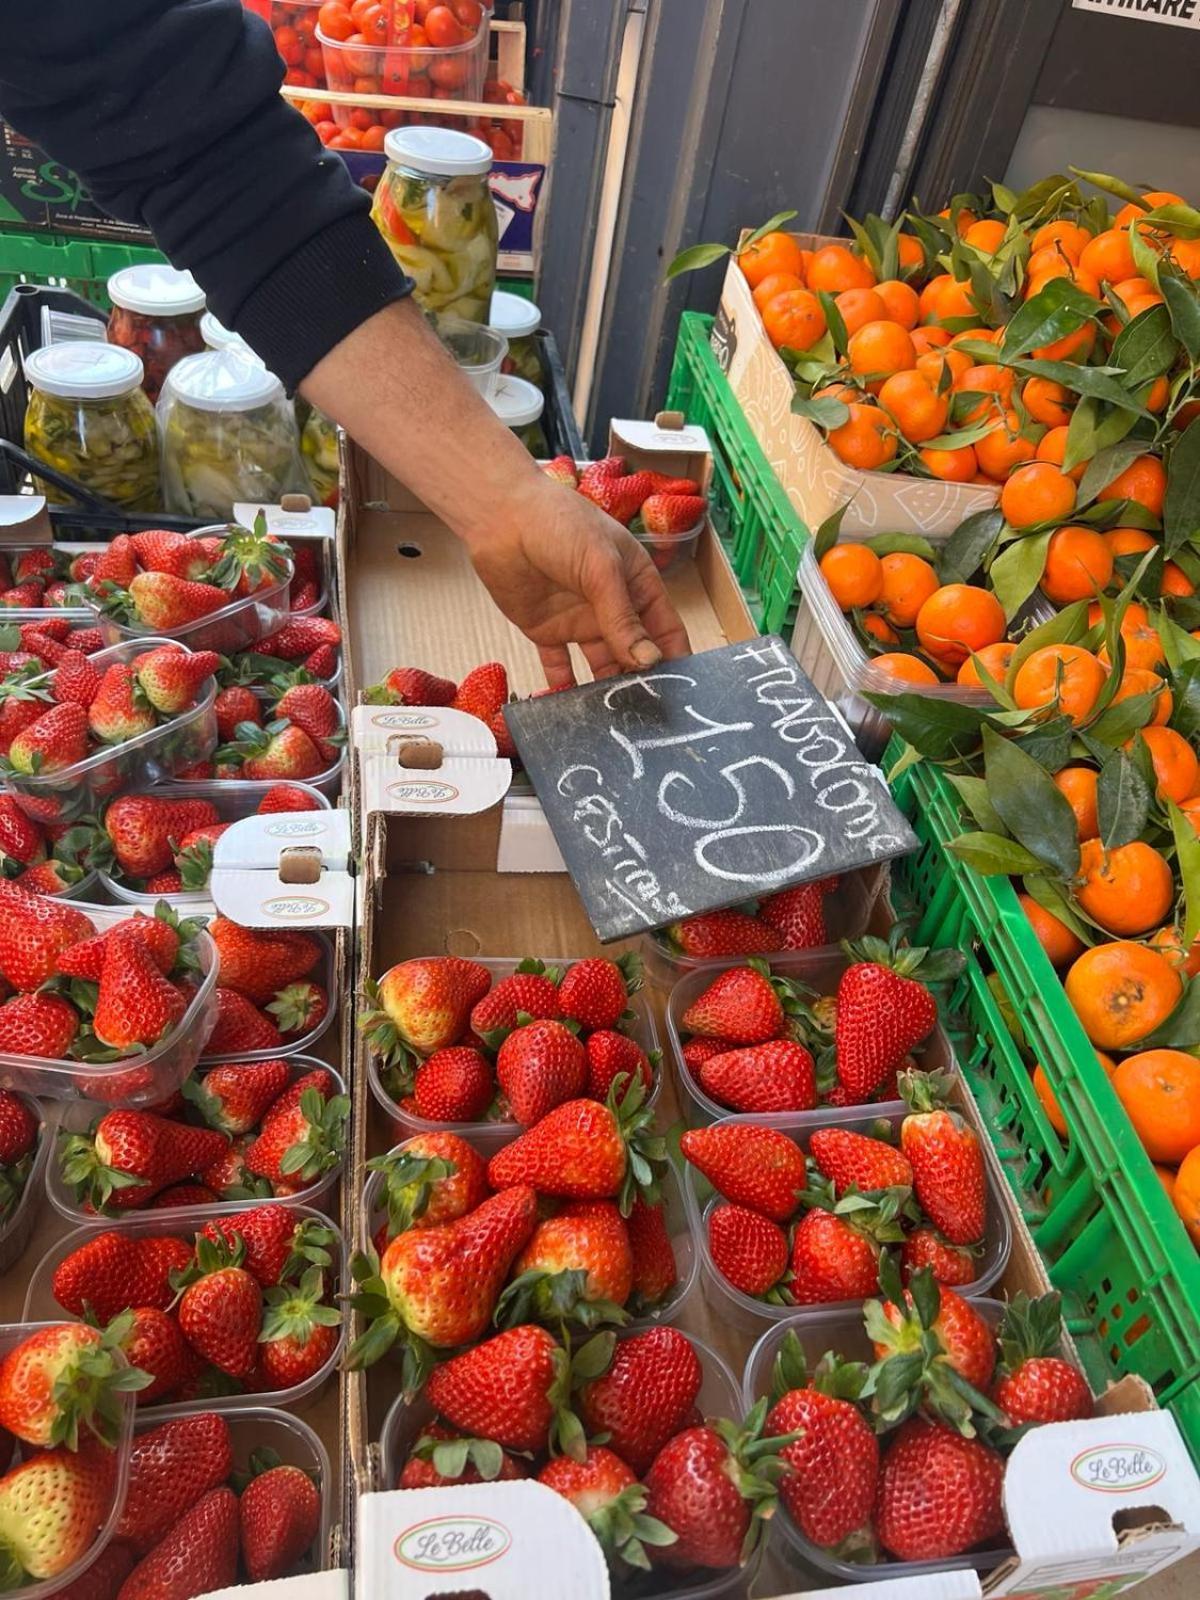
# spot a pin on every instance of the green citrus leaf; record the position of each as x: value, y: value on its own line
x: 1035, y: 812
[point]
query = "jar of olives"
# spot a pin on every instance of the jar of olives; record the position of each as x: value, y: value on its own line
x: 434, y: 208
x: 519, y: 405
x: 156, y: 314
x: 89, y: 417
x: 518, y: 320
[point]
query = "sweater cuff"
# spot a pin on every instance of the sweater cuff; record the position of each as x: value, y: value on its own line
x: 320, y: 294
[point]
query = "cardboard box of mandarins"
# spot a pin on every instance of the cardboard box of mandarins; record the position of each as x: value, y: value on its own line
x: 813, y: 477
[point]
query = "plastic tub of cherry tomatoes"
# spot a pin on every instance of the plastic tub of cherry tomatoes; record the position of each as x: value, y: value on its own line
x: 719, y: 1396
x: 80, y: 1117
x: 41, y: 1303
x: 447, y: 60
x: 16, y: 1225
x: 134, y: 1080
x: 324, y: 973
x: 843, y: 1333
x: 847, y: 911
x: 293, y: 24
x: 751, y: 1315
x: 488, y: 1137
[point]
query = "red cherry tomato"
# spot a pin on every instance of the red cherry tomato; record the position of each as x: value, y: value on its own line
x: 287, y: 42
x: 420, y: 10
x: 357, y: 8
x: 448, y: 72
x: 469, y: 14
x: 314, y: 61
x: 417, y: 39
x: 334, y: 21
x: 374, y: 136
x: 373, y: 24
x: 362, y: 119
x: 443, y: 28
x: 326, y: 131
x: 299, y: 80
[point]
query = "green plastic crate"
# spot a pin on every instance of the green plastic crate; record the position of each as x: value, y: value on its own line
x: 758, y: 525
x: 1112, y: 1241
x: 75, y: 264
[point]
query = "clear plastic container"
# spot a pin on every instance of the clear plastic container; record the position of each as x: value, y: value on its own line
x: 228, y: 434
x: 719, y: 1397
x: 668, y: 550
x: 233, y: 801
x: 89, y: 417
x: 319, y: 446
x: 16, y: 1233
x: 519, y: 405
x: 324, y: 973
x: 134, y: 1080
x: 156, y: 314
x: 518, y: 320
x: 843, y: 1332
x: 156, y: 754
x: 749, y: 1315
x: 452, y: 72
x: 477, y: 351
x: 434, y: 209
x: 13, y: 1334
x: 40, y: 1303
x: 80, y: 1117
x: 488, y: 1137
x: 328, y: 783
x: 820, y: 970
x: 260, y: 1427
x: 320, y: 605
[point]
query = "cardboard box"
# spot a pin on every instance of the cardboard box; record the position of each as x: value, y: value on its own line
x: 815, y: 480
x: 39, y: 193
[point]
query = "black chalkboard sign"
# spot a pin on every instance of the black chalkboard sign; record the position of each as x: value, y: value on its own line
x: 704, y: 782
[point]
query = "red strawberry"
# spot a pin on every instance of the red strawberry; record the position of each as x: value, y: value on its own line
x: 198, y: 1554
x: 441, y: 1457
x: 322, y: 662
x: 34, y: 932
x: 103, y: 1578
x: 236, y: 705
x: 412, y: 686
x: 240, y: 1027
x: 669, y: 515
x: 742, y: 1005
x: 562, y: 470
x: 185, y: 1194
x: 75, y: 679
x: 834, y: 1258
x: 665, y: 484
x: 159, y: 934
x: 580, y: 1150
x: 644, y: 1396
x: 752, y: 1166
x: 259, y: 964
x: 119, y: 711
x: 132, y: 1155
x: 696, y: 1052
x: 882, y: 1011
x: 606, y: 467
x: 194, y: 857
x: 41, y: 1025
x: 220, y: 1311
x: 171, y: 1467
x: 721, y: 933
x: 704, y: 1485
x: 778, y: 1076
x: 172, y: 680
x: 287, y: 753
x: 607, y: 1495
x: 141, y: 828
x: 949, y: 1179
x: 275, y: 1239
x: 279, y: 1514
x: 235, y: 1096
x: 1036, y: 1384
x: 113, y: 1271
x: 160, y: 550
x: 17, y: 713
x: 529, y: 994
x: 621, y: 497
x: 155, y: 1344
x: 511, y: 1388
x: 655, y: 1272
x: 89, y: 640
x: 60, y: 1385
x: 797, y: 916
x: 455, y: 1084
x: 483, y: 691
x: 29, y: 596
x: 540, y: 1066
x: 52, y: 742
x: 950, y: 1264
x: 747, y: 1249
x: 925, y: 1318
x: 18, y: 1128
x: 162, y: 602
x: 422, y: 1005
x: 164, y: 883
x: 50, y: 877
x: 431, y: 1178
x: 577, y: 1265
x: 300, y: 637
x: 21, y: 840
x: 611, y: 1055
x: 300, y: 1141
x: 299, y: 1008
x: 287, y: 797
x: 118, y: 564
x: 939, y: 1494
x: 506, y: 745
x: 595, y: 993
x: 299, y: 1332
x: 136, y: 1005
x: 853, y: 1160
x: 313, y: 708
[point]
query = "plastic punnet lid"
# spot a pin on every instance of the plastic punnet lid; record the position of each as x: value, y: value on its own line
x: 513, y: 316
x: 82, y: 370
x: 517, y: 402
x: 222, y: 380
x: 156, y: 290
x: 440, y: 152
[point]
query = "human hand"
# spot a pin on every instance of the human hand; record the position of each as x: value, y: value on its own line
x: 565, y: 573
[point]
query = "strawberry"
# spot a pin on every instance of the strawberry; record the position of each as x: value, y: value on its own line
x: 236, y: 705
x: 747, y: 1249
x: 607, y: 1495
x: 721, y: 933
x: 743, y: 1005
x: 18, y: 713
x: 506, y: 745
x: 669, y: 515
x: 300, y: 1142
x: 611, y: 1055
x: 155, y: 1345
x: 287, y: 797
x: 949, y: 1179
x: 778, y: 1076
x: 112, y: 1271
x: 102, y: 1578
x: 595, y: 993
x: 52, y: 1507
x: 655, y: 1272
x: 299, y: 1332
x: 313, y: 708
x: 303, y: 594
x: 663, y: 483
x: 318, y: 1078
x: 18, y: 1128
x: 441, y: 1457
x: 696, y: 1052
x: 530, y: 994
x: 883, y: 1010
x: 582, y: 1151
x: 179, y: 1195
x: 141, y: 828
x: 540, y: 1066
x: 75, y: 679
x: 194, y: 856
x: 136, y: 1006
x: 160, y: 934
x: 483, y: 691
x: 941, y: 1346
x: 21, y: 840
x: 33, y: 933
x: 1036, y: 1384
x: 562, y: 470
x: 259, y: 964
x: 606, y: 467
x: 220, y: 1310
x: 235, y: 1096
x: 750, y: 1165
x: 52, y: 742
x: 621, y: 497
x: 162, y: 602
x: 119, y: 711
x: 171, y: 1467
x: 431, y: 1178
x: 164, y: 883
x: 422, y: 1005
x: 27, y: 596
x: 511, y: 1388
x: 251, y: 559
x: 323, y: 661
x: 172, y: 680
x: 797, y: 917
x: 938, y: 1494
x: 117, y: 563
x: 261, y: 753
x: 577, y: 1266
x: 277, y: 1241
x: 455, y: 1084
x: 950, y: 1264
x: 50, y: 877
x: 835, y: 1250
x: 644, y: 1395
x: 132, y: 1155
x: 198, y: 1554
x: 41, y: 1025
x: 240, y: 1027
x: 854, y: 1160
x: 158, y: 550
x: 62, y: 1383
x: 89, y: 640
x: 279, y: 1514
x: 833, y: 1466
x: 40, y: 563
x: 299, y: 1008
x: 300, y: 637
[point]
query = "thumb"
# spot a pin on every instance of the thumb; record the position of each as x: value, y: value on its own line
x: 607, y: 591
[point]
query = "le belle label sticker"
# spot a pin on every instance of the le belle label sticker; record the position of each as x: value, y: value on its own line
x: 705, y: 782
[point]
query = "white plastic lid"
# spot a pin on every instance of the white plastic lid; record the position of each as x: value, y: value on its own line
x: 218, y: 337
x: 516, y: 402
x: 441, y: 152
x: 82, y: 370
x: 222, y: 380
x: 513, y: 316
x: 156, y: 290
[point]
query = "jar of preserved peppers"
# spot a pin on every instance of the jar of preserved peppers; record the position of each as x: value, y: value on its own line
x: 434, y: 208
x: 89, y: 417
x: 156, y: 314
x: 319, y: 446
x: 518, y: 320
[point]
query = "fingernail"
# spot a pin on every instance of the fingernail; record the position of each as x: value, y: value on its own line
x: 646, y: 654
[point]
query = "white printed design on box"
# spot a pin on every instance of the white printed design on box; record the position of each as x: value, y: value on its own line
x: 452, y: 1544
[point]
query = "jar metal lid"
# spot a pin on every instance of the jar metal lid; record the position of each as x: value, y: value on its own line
x: 513, y: 315
x: 440, y: 152
x: 84, y: 370
x: 516, y: 401
x: 155, y: 290
x: 222, y: 380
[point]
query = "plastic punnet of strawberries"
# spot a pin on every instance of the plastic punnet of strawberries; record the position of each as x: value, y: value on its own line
x: 38, y: 858
x: 266, y: 994
x: 41, y: 578
x: 297, y: 732
x: 20, y: 1134
x: 662, y: 512
x: 242, y: 1304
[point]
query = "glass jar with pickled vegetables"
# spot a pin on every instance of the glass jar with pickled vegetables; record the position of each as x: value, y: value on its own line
x: 519, y: 405
x: 89, y: 417
x: 156, y: 314
x: 228, y: 434
x: 518, y: 320
x: 319, y: 446
x: 434, y: 208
